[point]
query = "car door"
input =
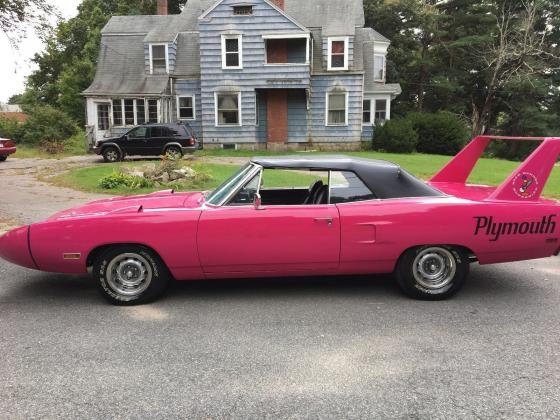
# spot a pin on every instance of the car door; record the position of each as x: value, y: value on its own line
x: 271, y: 240
x: 158, y: 139
x: 136, y: 141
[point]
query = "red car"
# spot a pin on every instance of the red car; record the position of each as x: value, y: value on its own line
x: 7, y: 148
x: 343, y: 216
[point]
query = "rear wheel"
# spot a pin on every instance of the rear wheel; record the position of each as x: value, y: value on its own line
x: 111, y: 154
x: 432, y: 272
x: 130, y: 275
x: 174, y: 152
x: 3, y: 158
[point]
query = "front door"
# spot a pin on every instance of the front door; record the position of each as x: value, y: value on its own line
x: 136, y: 142
x: 275, y: 240
x: 277, y: 116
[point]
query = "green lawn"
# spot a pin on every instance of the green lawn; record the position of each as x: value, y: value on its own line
x: 488, y: 171
x: 87, y: 179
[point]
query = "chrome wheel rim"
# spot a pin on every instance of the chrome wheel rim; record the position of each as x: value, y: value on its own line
x: 112, y: 155
x: 434, y: 268
x: 129, y: 274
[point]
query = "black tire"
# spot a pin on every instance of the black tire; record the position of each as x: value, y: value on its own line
x: 111, y: 154
x: 146, y: 279
x: 3, y: 158
x: 174, y: 152
x: 434, y: 272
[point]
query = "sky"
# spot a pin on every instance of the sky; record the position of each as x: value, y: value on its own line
x: 16, y: 65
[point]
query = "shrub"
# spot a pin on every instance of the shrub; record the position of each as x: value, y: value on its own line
x: 120, y: 180
x: 11, y: 129
x: 396, y: 136
x: 441, y: 133
x: 46, y: 123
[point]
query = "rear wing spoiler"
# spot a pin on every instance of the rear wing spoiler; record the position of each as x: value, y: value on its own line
x: 525, y: 184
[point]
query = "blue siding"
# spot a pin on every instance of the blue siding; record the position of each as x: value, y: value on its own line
x: 254, y: 75
x: 367, y: 132
x: 188, y: 88
x: 320, y: 85
x: 297, y: 116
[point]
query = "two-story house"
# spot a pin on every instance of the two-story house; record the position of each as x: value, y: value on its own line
x: 257, y: 73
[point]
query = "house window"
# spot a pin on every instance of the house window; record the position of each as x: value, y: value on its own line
x: 102, y: 117
x: 228, y: 109
x: 140, y: 112
x: 158, y: 59
x: 129, y: 112
x: 243, y: 10
x: 337, y: 108
x: 232, y: 52
x: 381, y: 110
x: 338, y: 53
x: 367, y: 112
x: 152, y: 110
x: 379, y: 68
x: 185, y: 107
x: 117, y: 112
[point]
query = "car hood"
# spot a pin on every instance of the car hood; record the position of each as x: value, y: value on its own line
x: 134, y: 204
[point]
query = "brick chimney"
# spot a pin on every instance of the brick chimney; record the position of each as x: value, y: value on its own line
x: 279, y: 3
x: 162, y: 7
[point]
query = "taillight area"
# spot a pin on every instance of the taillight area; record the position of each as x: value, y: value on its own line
x: 192, y: 141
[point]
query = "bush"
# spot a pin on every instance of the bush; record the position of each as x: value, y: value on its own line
x: 395, y: 136
x: 11, y: 129
x: 120, y: 180
x: 46, y: 123
x: 441, y: 133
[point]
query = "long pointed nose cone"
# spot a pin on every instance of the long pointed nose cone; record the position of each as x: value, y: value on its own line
x: 14, y: 247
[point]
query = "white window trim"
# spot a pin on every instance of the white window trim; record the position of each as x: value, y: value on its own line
x: 333, y: 92
x: 166, y: 57
x: 179, y: 109
x: 216, y: 118
x: 346, y: 40
x: 371, y: 106
x: 239, y: 37
x: 375, y: 79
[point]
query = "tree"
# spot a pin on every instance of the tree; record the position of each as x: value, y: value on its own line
x: 15, y: 14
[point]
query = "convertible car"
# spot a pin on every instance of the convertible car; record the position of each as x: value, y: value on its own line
x: 342, y: 215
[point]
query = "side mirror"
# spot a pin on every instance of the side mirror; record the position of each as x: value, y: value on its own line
x: 258, y: 202
x: 126, y: 137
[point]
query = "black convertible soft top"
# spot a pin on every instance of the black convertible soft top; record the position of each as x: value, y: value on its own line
x: 385, y: 179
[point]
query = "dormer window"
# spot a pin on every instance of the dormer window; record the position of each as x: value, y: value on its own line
x: 159, y: 63
x: 232, y: 52
x: 242, y: 10
x: 379, y: 67
x: 338, y: 53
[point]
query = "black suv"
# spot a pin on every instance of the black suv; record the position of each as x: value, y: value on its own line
x: 173, y: 140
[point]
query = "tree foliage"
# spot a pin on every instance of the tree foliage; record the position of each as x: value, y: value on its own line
x: 15, y: 15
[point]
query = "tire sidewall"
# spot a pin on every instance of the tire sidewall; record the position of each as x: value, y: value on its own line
x: 157, y: 285
x: 177, y: 150
x: 411, y: 287
x: 107, y: 150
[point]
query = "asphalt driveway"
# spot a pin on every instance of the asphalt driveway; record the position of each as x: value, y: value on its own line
x: 350, y: 347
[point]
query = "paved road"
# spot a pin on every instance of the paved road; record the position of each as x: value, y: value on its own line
x: 313, y: 348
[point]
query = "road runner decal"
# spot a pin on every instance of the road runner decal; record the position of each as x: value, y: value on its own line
x: 525, y: 185
x: 495, y: 230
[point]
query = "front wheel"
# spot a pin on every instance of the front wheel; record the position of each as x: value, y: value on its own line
x: 112, y: 154
x: 432, y: 272
x: 130, y: 275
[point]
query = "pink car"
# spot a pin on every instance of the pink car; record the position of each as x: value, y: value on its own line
x: 343, y: 216
x: 7, y: 148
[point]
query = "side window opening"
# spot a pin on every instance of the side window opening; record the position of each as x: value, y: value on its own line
x: 347, y: 187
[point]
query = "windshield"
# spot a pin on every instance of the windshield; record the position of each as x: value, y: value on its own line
x: 223, y: 191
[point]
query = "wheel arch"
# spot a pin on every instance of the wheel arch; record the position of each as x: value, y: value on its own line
x: 471, y: 256
x: 99, y: 250
x: 105, y: 145
x: 170, y: 144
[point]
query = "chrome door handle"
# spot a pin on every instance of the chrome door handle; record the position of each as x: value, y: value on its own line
x: 327, y: 220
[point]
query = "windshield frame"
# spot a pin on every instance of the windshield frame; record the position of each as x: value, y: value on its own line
x: 232, y: 185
